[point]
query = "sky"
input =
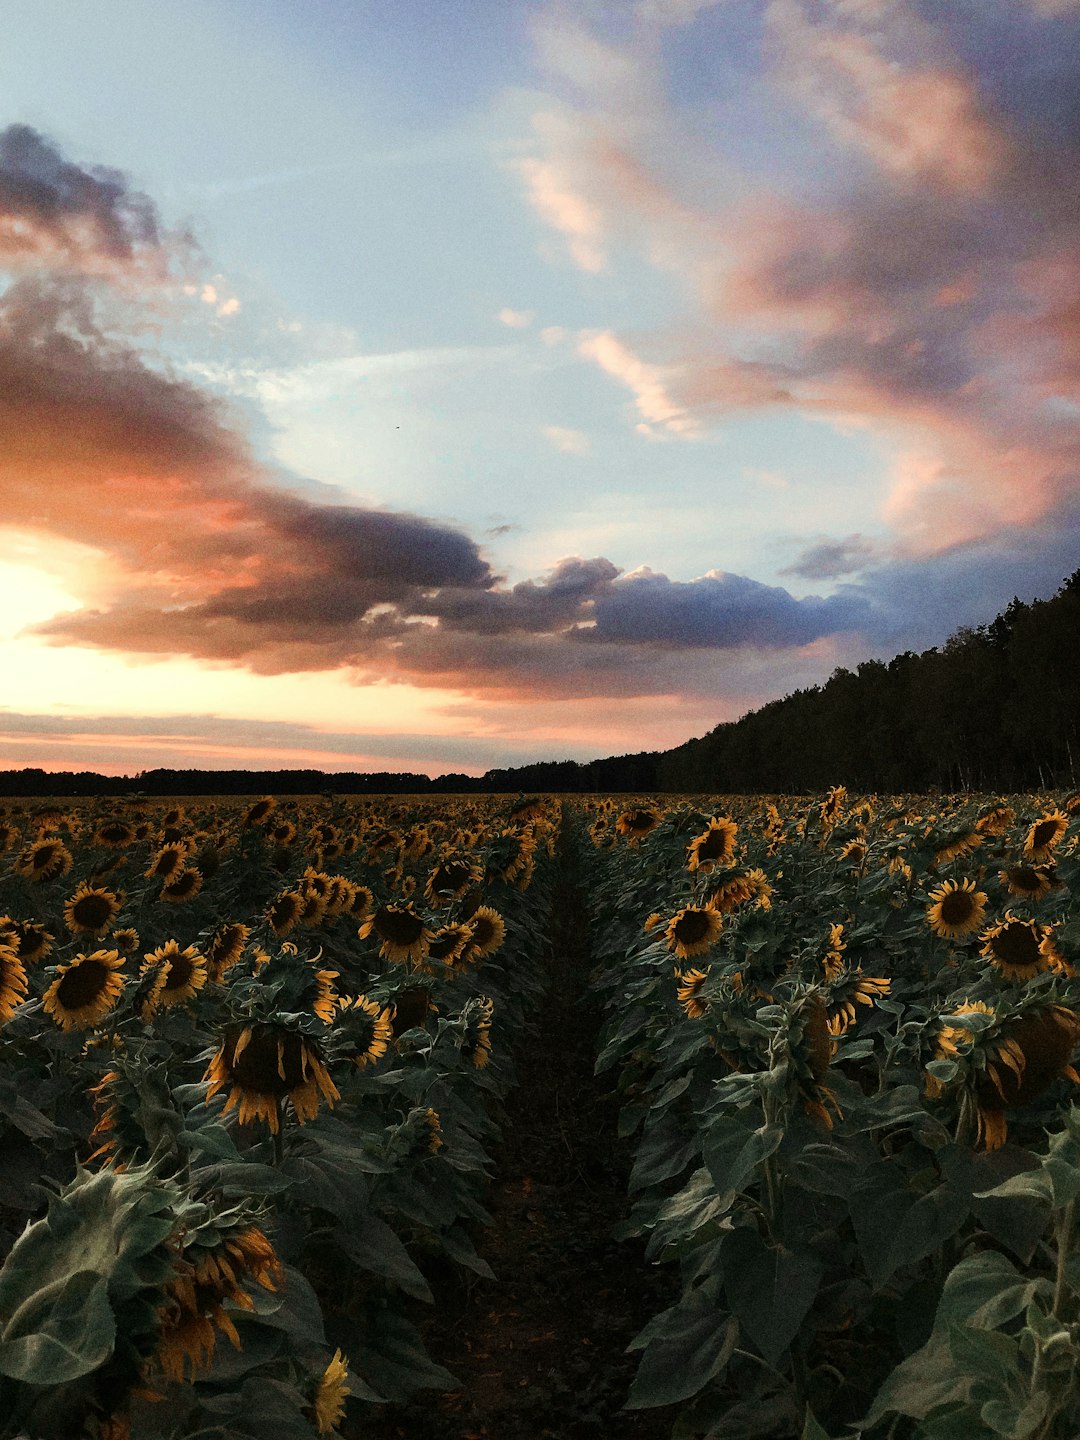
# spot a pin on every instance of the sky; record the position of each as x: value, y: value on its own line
x: 441, y: 387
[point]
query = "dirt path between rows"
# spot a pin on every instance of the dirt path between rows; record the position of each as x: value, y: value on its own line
x: 540, y: 1352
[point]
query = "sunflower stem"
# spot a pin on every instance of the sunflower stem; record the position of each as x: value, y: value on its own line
x: 1064, y: 1238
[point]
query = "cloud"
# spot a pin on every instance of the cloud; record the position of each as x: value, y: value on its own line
x: 647, y: 383
x: 829, y: 559
x: 85, y: 218
x: 516, y: 319
x: 570, y: 442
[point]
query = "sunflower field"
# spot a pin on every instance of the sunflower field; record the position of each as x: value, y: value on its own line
x: 842, y: 1033
x: 250, y: 1063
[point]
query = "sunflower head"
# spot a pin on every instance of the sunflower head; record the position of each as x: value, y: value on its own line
x: 368, y: 1028
x: 183, y: 885
x: 184, y: 973
x: 328, y: 1404
x: 1044, y: 835
x: 694, y: 930
x: 488, y: 931
x: 44, y: 860
x: 400, y: 931
x: 85, y: 990
x: 636, y: 823
x: 690, y: 984
x: 224, y: 948
x: 91, y: 910
x: 1017, y: 947
x: 13, y: 981
x: 262, y: 1066
x: 956, y: 909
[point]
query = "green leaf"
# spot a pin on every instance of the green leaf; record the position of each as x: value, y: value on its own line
x: 769, y: 1289
x: 69, y: 1334
x: 928, y: 1223
x: 986, y: 1291
x: 812, y: 1429
x: 690, y: 1345
x: 376, y: 1250
x: 732, y: 1151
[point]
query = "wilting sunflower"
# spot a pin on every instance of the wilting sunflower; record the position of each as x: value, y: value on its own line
x: 369, y: 1027
x: 91, y: 910
x: 652, y: 921
x: 263, y: 1065
x: 1017, y: 947
x: 477, y: 1046
x: 401, y: 932
x: 450, y: 943
x: 488, y: 933
x: 811, y: 1047
x: 433, y: 1126
x: 126, y: 940
x: 13, y: 982
x: 714, y: 846
x: 847, y: 991
x: 85, y: 990
x: 693, y: 930
x: 411, y: 1008
x: 1027, y: 882
x: 956, y: 909
x: 182, y: 886
x: 330, y: 1393
x: 1044, y: 835
x: 224, y: 949
x: 185, y: 972
x: 44, y: 860
x: 690, y: 983
x: 636, y: 823
x: 1022, y: 1056
x: 283, y: 913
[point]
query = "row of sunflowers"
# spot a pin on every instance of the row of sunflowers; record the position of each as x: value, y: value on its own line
x: 251, y: 1059
x: 843, y: 1036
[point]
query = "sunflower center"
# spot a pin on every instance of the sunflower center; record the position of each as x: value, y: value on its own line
x: 1043, y: 833
x: 92, y: 911
x: 1017, y: 945
x: 957, y: 907
x: 713, y: 846
x: 260, y: 1067
x: 401, y: 927
x: 82, y: 984
x: 180, y: 969
x: 692, y: 925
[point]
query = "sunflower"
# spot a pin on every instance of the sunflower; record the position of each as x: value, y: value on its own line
x: 260, y: 811
x: 330, y: 1393
x: 401, y: 932
x: 182, y: 886
x: 830, y: 808
x: 689, y: 992
x: 31, y: 940
x: 450, y: 943
x: 488, y: 933
x: 811, y: 1046
x: 996, y: 821
x: 114, y: 835
x: 1022, y: 1057
x: 411, y: 1009
x: 312, y: 909
x: 433, y: 1125
x: 714, y: 846
x: 1016, y: 947
x: 167, y: 860
x: 91, y: 910
x: 449, y: 880
x: 284, y: 912
x: 185, y: 972
x: 477, y: 1047
x: 224, y: 948
x: 373, y: 1023
x: 963, y: 843
x: 282, y: 832
x: 263, y: 1065
x: 126, y: 940
x: 13, y: 982
x: 956, y: 909
x: 1027, y: 882
x: 850, y: 990
x: 1044, y: 835
x: 361, y: 903
x: 85, y: 990
x: 652, y: 921
x: 636, y: 823
x: 694, y: 930
x: 44, y: 860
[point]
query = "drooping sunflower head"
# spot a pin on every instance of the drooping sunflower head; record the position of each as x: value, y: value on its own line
x: 31, y: 940
x: 86, y: 988
x: 809, y: 1046
x: 283, y: 913
x: 328, y: 1403
x: 368, y: 1028
x: 693, y: 930
x: 115, y: 834
x: 996, y: 821
x: 1044, y: 835
x: 449, y: 944
x: 449, y: 880
x: 956, y: 909
x: 849, y: 989
x: 263, y: 1065
x: 260, y: 812
x: 715, y: 846
x: 690, y: 984
x: 476, y: 1040
x: 637, y: 822
x: 412, y: 1006
x: 957, y: 845
x: 1016, y: 947
x: 183, y: 885
x: 1027, y: 882
x: 44, y: 860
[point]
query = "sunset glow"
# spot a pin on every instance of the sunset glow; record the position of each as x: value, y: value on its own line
x: 489, y: 384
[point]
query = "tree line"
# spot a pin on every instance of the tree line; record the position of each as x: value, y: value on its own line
x: 995, y: 708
